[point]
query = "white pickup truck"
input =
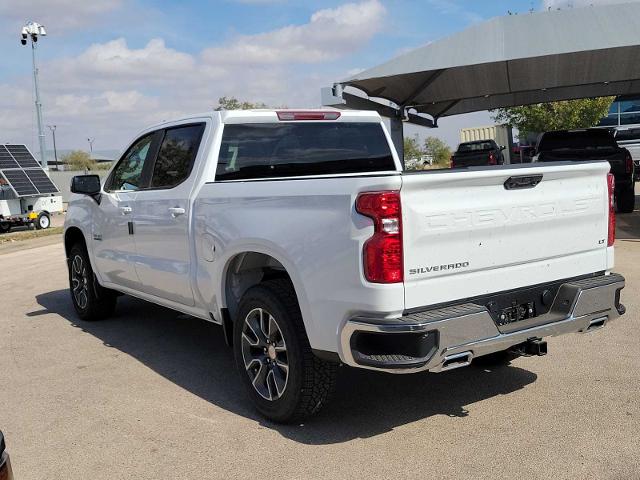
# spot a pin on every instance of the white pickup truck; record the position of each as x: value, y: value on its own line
x: 300, y: 234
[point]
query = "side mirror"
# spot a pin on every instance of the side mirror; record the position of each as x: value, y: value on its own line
x: 85, y: 184
x: 502, y: 147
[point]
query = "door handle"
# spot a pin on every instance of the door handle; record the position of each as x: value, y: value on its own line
x: 176, y: 211
x: 126, y: 210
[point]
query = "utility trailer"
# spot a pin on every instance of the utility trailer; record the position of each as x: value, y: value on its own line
x: 27, y: 194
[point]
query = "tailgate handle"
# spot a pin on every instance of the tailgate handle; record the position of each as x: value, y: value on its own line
x: 522, y: 181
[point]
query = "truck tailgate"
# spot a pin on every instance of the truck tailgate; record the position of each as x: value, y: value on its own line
x: 465, y: 234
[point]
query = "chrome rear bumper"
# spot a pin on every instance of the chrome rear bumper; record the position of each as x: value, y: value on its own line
x: 465, y: 331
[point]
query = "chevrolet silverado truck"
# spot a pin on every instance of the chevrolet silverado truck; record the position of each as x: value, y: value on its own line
x: 477, y: 153
x: 301, y: 235
x: 592, y: 144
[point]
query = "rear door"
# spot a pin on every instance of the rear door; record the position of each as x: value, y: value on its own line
x: 162, y: 216
x: 465, y: 234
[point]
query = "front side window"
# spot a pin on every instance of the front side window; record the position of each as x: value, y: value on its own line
x: 128, y: 173
x: 176, y: 156
x: 270, y: 150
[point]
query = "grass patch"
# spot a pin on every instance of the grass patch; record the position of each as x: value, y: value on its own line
x: 28, y: 235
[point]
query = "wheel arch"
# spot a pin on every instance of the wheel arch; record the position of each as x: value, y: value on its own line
x: 250, y: 267
x: 73, y: 235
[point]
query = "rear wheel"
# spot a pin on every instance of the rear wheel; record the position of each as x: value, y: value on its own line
x: 285, y: 381
x: 5, y: 227
x: 43, y: 221
x: 90, y: 300
x: 626, y: 200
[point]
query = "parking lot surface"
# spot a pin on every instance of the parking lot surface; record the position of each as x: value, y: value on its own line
x: 152, y: 393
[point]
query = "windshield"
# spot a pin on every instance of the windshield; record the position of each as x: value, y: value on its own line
x: 627, y: 135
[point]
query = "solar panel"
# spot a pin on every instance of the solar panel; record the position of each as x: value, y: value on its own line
x: 23, y: 156
x: 6, y: 160
x: 19, y: 181
x: 41, y: 181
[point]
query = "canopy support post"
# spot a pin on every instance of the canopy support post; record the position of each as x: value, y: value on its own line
x: 397, y: 136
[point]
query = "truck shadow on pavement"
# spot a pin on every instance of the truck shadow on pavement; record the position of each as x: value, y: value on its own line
x: 628, y: 224
x: 192, y: 354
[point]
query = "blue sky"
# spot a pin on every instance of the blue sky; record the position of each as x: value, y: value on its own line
x: 112, y: 67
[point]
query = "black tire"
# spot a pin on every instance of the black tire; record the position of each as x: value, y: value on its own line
x: 5, y: 227
x: 43, y: 221
x: 309, y: 381
x: 90, y: 300
x: 626, y: 200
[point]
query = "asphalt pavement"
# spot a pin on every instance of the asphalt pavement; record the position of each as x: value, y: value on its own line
x: 153, y: 394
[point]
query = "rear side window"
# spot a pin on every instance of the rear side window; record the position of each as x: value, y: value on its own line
x: 269, y: 150
x: 176, y: 155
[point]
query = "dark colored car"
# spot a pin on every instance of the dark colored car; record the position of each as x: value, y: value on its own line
x: 5, y: 464
x: 592, y: 144
x: 629, y: 138
x: 477, y: 153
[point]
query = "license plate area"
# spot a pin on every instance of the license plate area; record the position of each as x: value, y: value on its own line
x: 517, y: 312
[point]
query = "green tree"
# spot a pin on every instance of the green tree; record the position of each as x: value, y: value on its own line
x: 564, y: 115
x: 439, y: 150
x: 79, y: 160
x: 232, y: 103
x: 412, y: 150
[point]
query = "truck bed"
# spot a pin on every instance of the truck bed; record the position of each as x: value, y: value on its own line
x: 466, y: 235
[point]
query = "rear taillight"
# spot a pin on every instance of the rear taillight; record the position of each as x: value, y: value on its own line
x: 289, y: 115
x: 492, y: 159
x: 611, y: 186
x: 382, y: 253
x: 628, y: 163
x: 451, y: 162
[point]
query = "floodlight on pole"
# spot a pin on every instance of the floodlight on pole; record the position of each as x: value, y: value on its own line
x: 32, y: 31
x: 91, y: 140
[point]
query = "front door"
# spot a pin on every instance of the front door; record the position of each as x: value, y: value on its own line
x: 113, y: 230
x: 162, y: 217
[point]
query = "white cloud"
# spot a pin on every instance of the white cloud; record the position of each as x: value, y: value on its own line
x: 554, y: 4
x: 330, y: 34
x: 57, y: 15
x: 450, y: 7
x: 112, y: 90
x: 114, y: 63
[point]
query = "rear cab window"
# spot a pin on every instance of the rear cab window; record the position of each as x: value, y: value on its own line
x: 577, y: 140
x: 287, y: 149
x: 476, y: 146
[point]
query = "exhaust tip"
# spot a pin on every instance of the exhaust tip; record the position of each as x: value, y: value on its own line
x: 457, y: 360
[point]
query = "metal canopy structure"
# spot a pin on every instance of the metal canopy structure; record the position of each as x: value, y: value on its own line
x: 507, y: 61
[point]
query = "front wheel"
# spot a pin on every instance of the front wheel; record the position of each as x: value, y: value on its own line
x: 626, y: 200
x: 43, y: 221
x: 285, y: 381
x: 90, y: 300
x: 5, y: 227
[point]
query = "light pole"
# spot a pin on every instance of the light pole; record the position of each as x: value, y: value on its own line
x: 33, y: 30
x: 91, y: 140
x: 55, y: 150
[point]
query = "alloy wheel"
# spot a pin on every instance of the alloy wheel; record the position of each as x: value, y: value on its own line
x: 80, y: 281
x: 264, y: 352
